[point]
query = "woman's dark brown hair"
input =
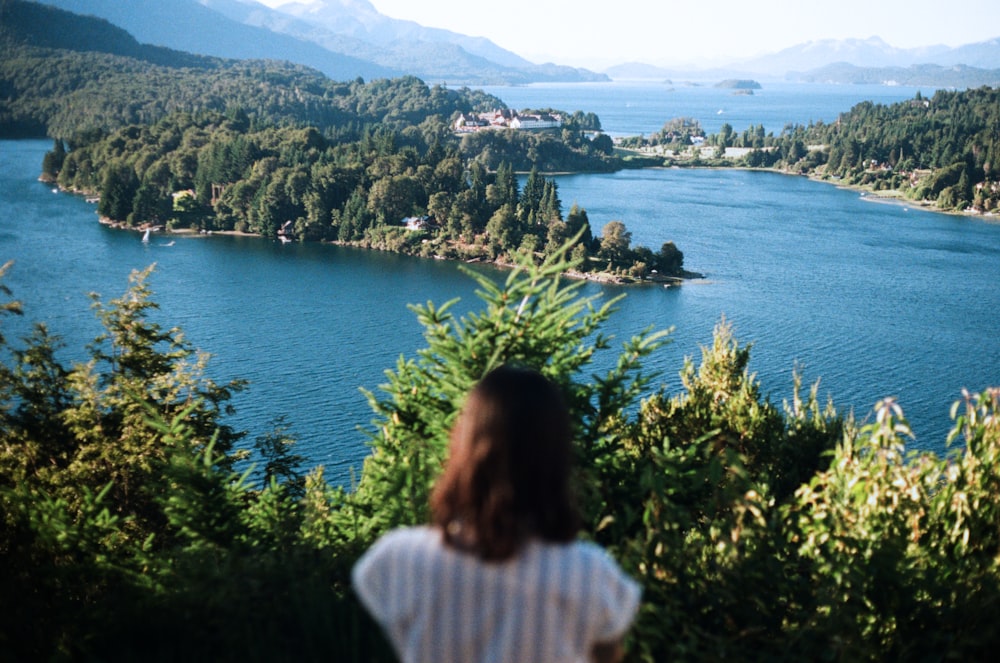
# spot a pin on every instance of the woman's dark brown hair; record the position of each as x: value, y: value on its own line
x: 507, y: 478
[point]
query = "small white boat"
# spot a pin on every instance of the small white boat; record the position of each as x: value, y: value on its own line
x: 145, y: 236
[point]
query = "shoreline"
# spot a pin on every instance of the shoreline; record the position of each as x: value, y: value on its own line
x: 888, y: 196
x: 596, y: 277
x: 894, y: 197
x: 163, y: 231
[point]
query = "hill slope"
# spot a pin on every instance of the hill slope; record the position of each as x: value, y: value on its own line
x: 342, y: 38
x: 67, y: 75
x: 187, y: 25
x: 955, y: 76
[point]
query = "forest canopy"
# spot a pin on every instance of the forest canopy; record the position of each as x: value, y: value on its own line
x: 411, y: 190
x: 942, y: 150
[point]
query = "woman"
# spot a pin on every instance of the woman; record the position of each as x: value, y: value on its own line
x: 499, y: 574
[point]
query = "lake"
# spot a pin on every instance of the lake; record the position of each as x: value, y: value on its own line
x: 875, y: 299
x: 630, y: 108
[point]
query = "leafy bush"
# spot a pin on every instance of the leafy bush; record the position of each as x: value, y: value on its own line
x: 757, y: 531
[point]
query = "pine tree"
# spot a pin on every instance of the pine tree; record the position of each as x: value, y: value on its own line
x: 118, y: 189
x: 52, y: 163
x: 533, y: 319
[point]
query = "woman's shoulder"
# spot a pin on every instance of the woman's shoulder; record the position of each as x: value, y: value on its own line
x: 408, y: 538
x: 394, y: 548
x: 589, y: 559
x: 412, y: 534
x: 578, y: 548
x: 588, y: 575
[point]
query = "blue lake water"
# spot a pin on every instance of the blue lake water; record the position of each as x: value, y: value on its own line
x: 875, y: 299
x: 629, y: 108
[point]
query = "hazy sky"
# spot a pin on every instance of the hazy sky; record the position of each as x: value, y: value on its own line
x: 599, y: 33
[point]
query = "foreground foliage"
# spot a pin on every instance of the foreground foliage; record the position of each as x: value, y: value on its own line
x: 757, y: 531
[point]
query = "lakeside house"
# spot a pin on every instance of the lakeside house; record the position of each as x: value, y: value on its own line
x: 506, y: 119
x: 418, y: 222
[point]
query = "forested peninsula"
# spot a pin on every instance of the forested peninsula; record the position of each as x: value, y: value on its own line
x: 942, y: 151
x: 174, y: 141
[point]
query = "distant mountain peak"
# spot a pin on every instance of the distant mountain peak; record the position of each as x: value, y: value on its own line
x: 432, y: 53
x: 327, y: 9
x: 330, y: 5
x: 873, y: 42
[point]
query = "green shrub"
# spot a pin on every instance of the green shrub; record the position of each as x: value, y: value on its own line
x: 758, y: 532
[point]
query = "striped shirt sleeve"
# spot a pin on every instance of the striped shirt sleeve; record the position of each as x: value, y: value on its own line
x: 615, y: 596
x: 380, y: 580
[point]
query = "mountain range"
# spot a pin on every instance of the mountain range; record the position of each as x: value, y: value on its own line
x: 851, y: 61
x: 343, y: 39
x: 346, y: 39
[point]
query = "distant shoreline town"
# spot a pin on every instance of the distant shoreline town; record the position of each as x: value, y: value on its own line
x: 506, y: 119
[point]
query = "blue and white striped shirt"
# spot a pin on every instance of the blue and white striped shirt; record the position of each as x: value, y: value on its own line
x: 550, y: 602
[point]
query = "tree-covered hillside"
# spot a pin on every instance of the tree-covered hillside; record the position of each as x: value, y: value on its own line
x: 33, y: 24
x: 89, y: 76
x: 942, y: 150
x: 202, y: 26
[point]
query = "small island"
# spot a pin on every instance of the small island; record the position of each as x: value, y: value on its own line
x: 739, y: 84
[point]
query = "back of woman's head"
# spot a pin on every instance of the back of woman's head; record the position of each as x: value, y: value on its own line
x: 508, y: 474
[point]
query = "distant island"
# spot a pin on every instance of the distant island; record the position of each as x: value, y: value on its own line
x: 739, y: 84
